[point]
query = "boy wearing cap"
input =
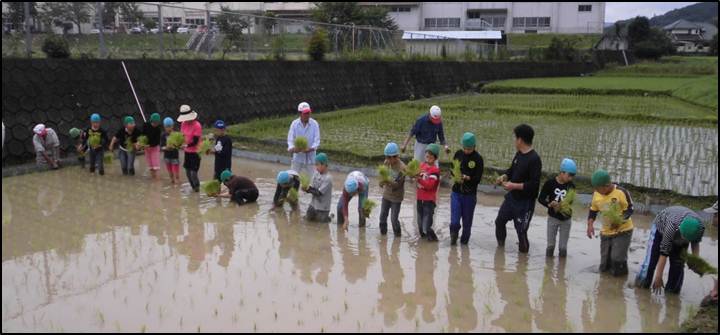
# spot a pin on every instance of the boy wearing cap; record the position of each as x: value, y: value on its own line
x: 47, y: 147
x: 95, y: 154
x: 171, y: 155
x: 614, y: 238
x: 428, y: 181
x: 358, y: 184
x: 153, y: 131
x: 192, y: 130
x: 464, y: 194
x: 522, y: 181
x: 126, y: 138
x: 427, y: 129
x: 222, y: 149
x: 321, y: 189
x: 393, y: 190
x: 552, y: 194
x: 240, y: 190
x: 304, y: 125
x: 285, y: 181
x: 672, y: 230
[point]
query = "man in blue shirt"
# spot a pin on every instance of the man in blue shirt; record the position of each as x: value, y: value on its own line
x: 427, y: 129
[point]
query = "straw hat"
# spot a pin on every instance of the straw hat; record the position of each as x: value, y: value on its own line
x: 186, y: 114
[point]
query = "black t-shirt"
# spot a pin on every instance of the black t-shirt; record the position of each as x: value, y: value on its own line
x: 223, y: 158
x: 527, y: 169
x: 122, y: 137
x: 153, y: 134
x: 470, y: 165
x: 169, y: 153
x: 554, y: 191
x: 104, y: 141
x: 240, y: 183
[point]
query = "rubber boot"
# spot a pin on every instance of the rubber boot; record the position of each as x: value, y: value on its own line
x: 563, y: 253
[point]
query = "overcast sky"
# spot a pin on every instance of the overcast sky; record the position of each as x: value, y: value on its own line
x: 624, y: 10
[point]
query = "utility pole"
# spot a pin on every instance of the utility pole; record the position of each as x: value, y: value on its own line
x: 99, y: 18
x: 160, y: 29
x: 28, y: 33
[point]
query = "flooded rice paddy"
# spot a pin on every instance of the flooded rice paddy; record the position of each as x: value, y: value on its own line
x: 83, y: 252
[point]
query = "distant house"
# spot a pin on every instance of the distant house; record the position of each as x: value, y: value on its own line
x: 432, y: 43
x: 690, y: 37
x: 614, y: 39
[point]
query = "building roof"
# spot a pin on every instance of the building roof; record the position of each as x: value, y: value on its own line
x: 452, y: 34
x: 681, y: 24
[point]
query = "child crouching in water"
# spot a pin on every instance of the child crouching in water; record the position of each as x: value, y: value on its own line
x: 428, y: 182
x: 240, y: 190
x: 286, y: 180
x: 171, y: 155
x: 321, y: 190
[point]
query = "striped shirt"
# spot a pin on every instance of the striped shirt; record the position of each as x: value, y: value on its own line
x: 668, y: 222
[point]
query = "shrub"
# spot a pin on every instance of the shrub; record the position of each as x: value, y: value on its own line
x: 318, y: 45
x: 560, y: 50
x: 278, y: 48
x: 55, y: 46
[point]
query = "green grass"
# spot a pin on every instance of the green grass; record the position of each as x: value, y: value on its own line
x: 525, y: 41
x: 674, y: 66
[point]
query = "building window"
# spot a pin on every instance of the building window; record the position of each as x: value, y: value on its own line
x: 531, y: 22
x: 544, y: 22
x: 518, y: 22
x: 473, y: 15
x: 195, y: 21
x: 400, y: 9
x: 442, y: 22
x: 584, y: 8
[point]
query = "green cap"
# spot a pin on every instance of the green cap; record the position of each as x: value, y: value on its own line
x: 433, y: 149
x: 600, y: 178
x: 225, y: 175
x: 321, y: 158
x: 691, y: 229
x: 128, y: 120
x: 155, y: 117
x: 74, y: 132
x: 468, y: 140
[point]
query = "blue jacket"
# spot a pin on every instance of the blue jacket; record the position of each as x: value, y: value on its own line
x: 427, y: 132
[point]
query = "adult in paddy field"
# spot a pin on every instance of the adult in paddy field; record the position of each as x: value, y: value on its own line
x: 522, y: 180
x: 303, y: 160
x: 192, y: 130
x: 427, y: 129
x: 47, y: 147
x: 672, y: 230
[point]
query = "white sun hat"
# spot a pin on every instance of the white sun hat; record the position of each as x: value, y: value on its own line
x: 186, y: 114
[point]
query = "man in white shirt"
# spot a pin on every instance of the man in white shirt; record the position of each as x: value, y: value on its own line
x: 47, y: 146
x: 303, y: 161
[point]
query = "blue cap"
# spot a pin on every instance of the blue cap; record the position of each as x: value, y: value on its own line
x: 220, y: 124
x: 392, y: 149
x: 95, y: 117
x: 168, y: 122
x: 351, y: 185
x: 283, y: 177
x: 568, y: 165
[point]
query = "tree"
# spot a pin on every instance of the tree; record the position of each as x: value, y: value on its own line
x: 269, y: 22
x: 131, y: 12
x: 350, y: 13
x: 16, y: 13
x: 318, y: 44
x: 149, y: 23
x: 109, y: 12
x: 60, y: 13
x: 231, y: 23
x: 561, y: 49
x: 638, y: 30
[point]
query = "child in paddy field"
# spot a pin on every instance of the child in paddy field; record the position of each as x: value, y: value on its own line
x: 285, y: 181
x: 614, y: 239
x: 171, y: 155
x: 240, y: 190
x: 552, y: 194
x: 126, y: 138
x: 95, y: 154
x: 321, y: 190
x: 358, y: 184
x: 153, y: 131
x: 192, y: 130
x: 393, y: 191
x: 464, y: 195
x: 222, y: 149
x: 80, y: 146
x: 428, y: 182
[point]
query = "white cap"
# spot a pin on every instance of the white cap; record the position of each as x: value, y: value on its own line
x: 39, y: 129
x: 185, y: 109
x: 303, y: 106
x: 712, y: 209
x: 435, y: 112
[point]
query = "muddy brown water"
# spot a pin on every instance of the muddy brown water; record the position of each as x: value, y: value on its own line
x: 83, y: 252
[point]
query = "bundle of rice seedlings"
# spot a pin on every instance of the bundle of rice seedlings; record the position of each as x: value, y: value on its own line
x: 206, y: 146
x: 301, y: 143
x: 175, y: 140
x: 211, y: 188
x: 107, y: 158
x: 456, y: 172
x: 292, y: 196
x: 129, y: 145
x: 74, y: 132
x: 143, y: 141
x: 567, y: 202
x: 94, y: 140
x: 384, y: 174
x: 613, y: 215
x: 698, y: 264
x: 368, y: 206
x: 304, y: 181
x: 412, y: 168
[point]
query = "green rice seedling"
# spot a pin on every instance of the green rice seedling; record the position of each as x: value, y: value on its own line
x: 301, y: 143
x: 613, y: 215
x: 206, y: 146
x: 368, y: 206
x: 412, y: 168
x: 129, y: 145
x: 456, y: 173
x: 698, y: 264
x: 292, y: 196
x: 142, y: 141
x: 108, y: 158
x: 94, y: 140
x: 304, y: 181
x: 384, y: 174
x: 211, y: 188
x: 567, y: 202
x: 175, y: 140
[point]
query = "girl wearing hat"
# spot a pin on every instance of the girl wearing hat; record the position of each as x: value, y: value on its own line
x: 47, y: 146
x: 192, y: 130
x: 551, y: 195
x: 153, y: 131
x: 126, y: 138
x: 171, y: 155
